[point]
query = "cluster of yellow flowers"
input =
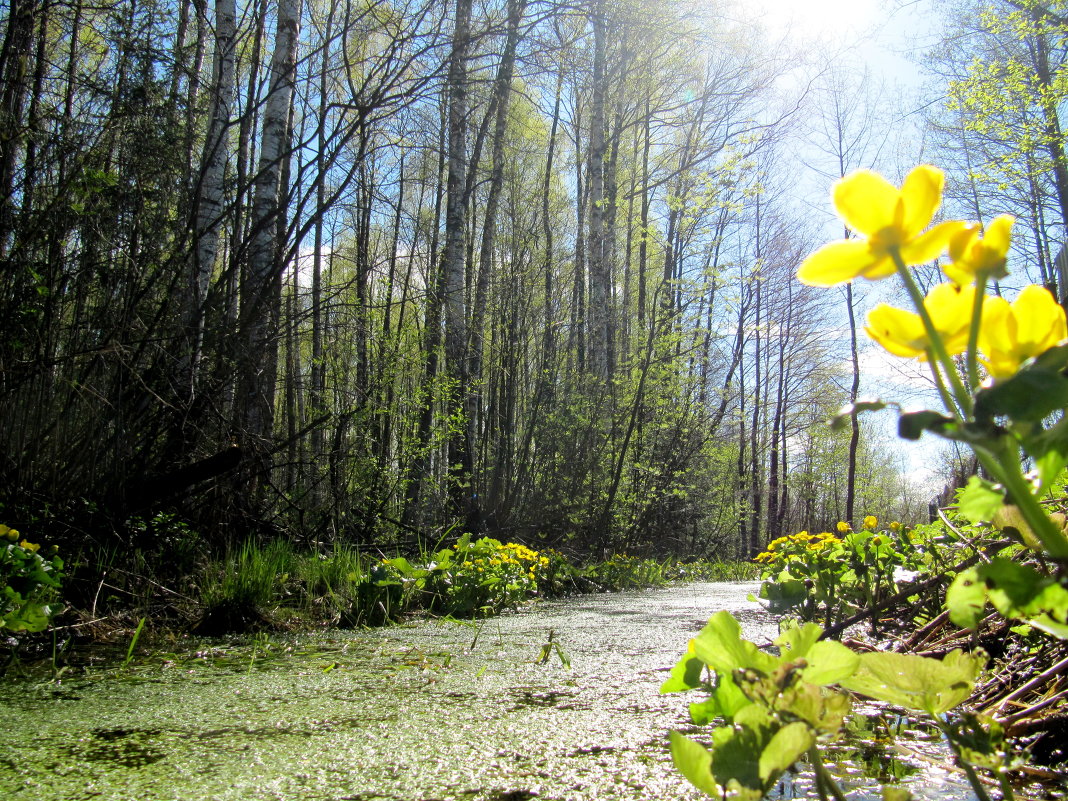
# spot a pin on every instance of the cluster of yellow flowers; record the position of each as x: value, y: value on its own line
x: 510, y: 553
x: 783, y: 548
x: 12, y: 534
x: 889, y: 224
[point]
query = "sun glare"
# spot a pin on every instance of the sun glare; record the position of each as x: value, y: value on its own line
x: 805, y: 20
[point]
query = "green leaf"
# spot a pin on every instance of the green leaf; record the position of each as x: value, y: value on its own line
x: 829, y: 662
x: 720, y: 646
x: 966, y: 599
x: 911, y: 425
x: 784, y: 593
x: 736, y: 758
x: 1029, y: 396
x: 1049, y: 449
x: 980, y: 500
x: 686, y: 675
x: 893, y: 792
x: 1054, y: 359
x: 783, y: 750
x: 821, y: 709
x: 845, y: 414
x: 726, y: 701
x: 694, y: 762
x: 917, y: 682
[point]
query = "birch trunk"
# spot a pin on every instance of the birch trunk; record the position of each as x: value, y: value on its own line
x: 261, y: 290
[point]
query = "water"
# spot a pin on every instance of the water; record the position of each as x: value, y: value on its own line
x: 433, y: 710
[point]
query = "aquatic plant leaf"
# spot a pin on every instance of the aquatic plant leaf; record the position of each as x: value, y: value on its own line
x: 736, y: 759
x: 784, y: 593
x: 966, y: 599
x: 1049, y: 449
x: 686, y: 675
x: 757, y: 718
x: 823, y: 710
x: 783, y: 750
x: 980, y: 500
x: 827, y: 661
x: 694, y: 762
x: 1015, y: 590
x: 795, y: 640
x: 1052, y: 627
x: 893, y: 792
x: 720, y: 646
x: 1029, y: 396
x: 725, y: 702
x: 917, y: 682
x: 911, y: 425
x: 845, y: 414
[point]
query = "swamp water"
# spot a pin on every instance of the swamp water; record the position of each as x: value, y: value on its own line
x: 438, y: 709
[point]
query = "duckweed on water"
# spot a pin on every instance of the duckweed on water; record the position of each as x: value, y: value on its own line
x: 423, y: 711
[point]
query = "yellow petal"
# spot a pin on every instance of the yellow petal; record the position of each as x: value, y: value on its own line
x: 961, y: 240
x: 922, y: 195
x: 996, y: 337
x: 840, y: 262
x: 998, y: 235
x: 900, y: 332
x: 971, y: 253
x: 950, y: 309
x: 930, y: 245
x: 1040, y: 322
x: 866, y: 201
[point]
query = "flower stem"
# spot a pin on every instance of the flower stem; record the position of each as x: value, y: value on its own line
x: 963, y: 407
x: 969, y: 771
x: 824, y: 780
x: 1004, y: 466
x: 973, y: 332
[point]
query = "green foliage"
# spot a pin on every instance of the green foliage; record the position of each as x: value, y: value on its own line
x: 474, y: 578
x: 28, y: 583
x: 250, y: 576
x: 830, y: 576
x: 1015, y: 590
x: 775, y: 708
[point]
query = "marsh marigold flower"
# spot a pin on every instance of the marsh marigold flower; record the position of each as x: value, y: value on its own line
x: 843, y: 527
x: 903, y: 334
x: 971, y: 253
x: 871, y: 521
x: 885, y: 219
x: 1013, y: 333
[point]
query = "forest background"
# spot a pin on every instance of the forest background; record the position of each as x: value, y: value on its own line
x: 362, y: 271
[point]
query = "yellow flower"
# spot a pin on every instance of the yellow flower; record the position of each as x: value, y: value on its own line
x: 844, y: 527
x: 970, y: 253
x: 895, y: 526
x: 885, y: 219
x: 1013, y: 333
x: 32, y: 547
x: 903, y: 334
x: 871, y: 521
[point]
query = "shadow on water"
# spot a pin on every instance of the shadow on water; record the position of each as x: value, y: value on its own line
x: 412, y: 713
